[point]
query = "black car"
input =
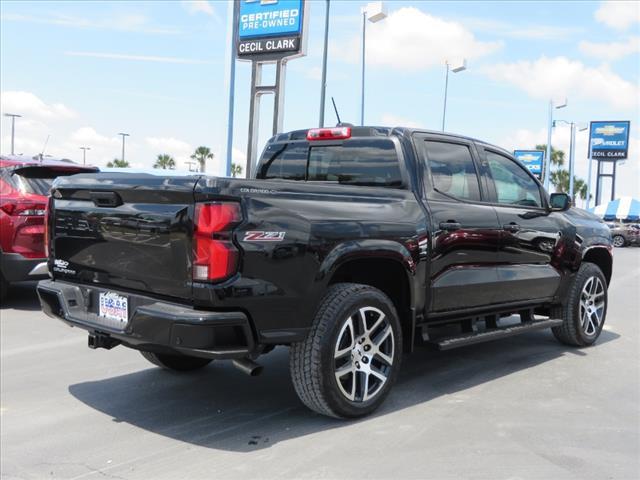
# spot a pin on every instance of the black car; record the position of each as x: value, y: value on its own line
x: 351, y: 245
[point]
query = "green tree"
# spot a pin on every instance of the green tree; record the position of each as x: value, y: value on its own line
x: 560, y: 179
x: 557, y: 156
x: 236, y: 170
x: 165, y: 161
x: 201, y: 155
x: 117, y: 163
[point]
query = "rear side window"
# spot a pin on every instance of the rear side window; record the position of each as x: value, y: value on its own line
x: 288, y: 162
x: 39, y: 186
x: 452, y: 170
x: 356, y: 162
x: 359, y: 161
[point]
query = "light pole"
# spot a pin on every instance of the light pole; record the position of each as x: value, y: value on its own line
x: 458, y: 68
x: 572, y: 151
x: 123, y: 137
x: 323, y: 84
x: 13, y: 128
x: 374, y: 12
x: 84, y: 154
x: 547, y: 160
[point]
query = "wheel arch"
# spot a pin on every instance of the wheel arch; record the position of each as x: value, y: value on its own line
x: 389, y: 274
x: 600, y: 256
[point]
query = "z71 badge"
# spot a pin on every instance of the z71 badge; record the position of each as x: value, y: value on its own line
x: 259, y: 236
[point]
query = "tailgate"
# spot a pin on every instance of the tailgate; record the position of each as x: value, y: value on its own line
x: 129, y: 231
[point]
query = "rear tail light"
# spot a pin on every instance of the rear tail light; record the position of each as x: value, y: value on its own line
x: 335, y: 133
x: 215, y: 257
x: 46, y: 227
x: 17, y: 207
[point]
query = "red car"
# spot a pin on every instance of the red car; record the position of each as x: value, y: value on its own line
x: 24, y: 186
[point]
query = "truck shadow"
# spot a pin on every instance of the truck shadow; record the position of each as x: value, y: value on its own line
x: 221, y: 408
x: 22, y: 296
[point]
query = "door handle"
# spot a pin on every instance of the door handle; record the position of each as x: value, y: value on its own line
x: 511, y: 227
x: 450, y: 225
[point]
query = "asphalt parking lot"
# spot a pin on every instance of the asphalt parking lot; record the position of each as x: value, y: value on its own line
x: 525, y: 407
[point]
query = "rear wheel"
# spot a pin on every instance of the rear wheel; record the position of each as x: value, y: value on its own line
x: 179, y: 363
x: 618, y: 241
x: 351, y: 357
x: 584, y: 313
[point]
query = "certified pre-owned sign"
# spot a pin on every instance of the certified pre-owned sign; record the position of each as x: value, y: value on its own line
x: 532, y: 159
x: 609, y: 140
x: 272, y: 28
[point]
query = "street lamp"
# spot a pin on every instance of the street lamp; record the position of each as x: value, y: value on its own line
x: 374, y: 12
x: 323, y: 83
x: 572, y: 149
x: 13, y: 127
x: 455, y: 69
x: 84, y: 154
x: 547, y: 160
x: 123, y: 136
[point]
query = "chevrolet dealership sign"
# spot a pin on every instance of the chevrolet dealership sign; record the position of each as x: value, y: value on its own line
x: 609, y: 140
x: 532, y: 159
x: 270, y: 29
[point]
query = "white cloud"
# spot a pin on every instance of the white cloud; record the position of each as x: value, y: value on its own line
x: 410, y: 39
x: 125, y: 23
x: 200, y: 6
x: 619, y: 15
x: 522, y: 31
x: 560, y: 77
x: 29, y: 105
x: 137, y: 58
x: 88, y: 136
x: 391, y: 120
x: 611, y: 51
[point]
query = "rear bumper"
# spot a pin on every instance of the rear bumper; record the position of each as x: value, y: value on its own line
x: 17, y: 268
x: 153, y: 325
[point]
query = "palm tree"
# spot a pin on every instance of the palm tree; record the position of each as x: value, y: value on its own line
x: 236, y: 170
x: 560, y: 179
x: 117, y: 163
x: 557, y: 156
x: 165, y: 161
x: 201, y: 155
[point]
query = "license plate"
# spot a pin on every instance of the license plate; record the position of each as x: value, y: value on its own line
x: 114, y: 308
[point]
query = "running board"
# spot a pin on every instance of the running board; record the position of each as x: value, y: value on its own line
x: 464, y: 339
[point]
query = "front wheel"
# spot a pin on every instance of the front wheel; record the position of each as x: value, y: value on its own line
x: 618, y: 241
x: 585, y: 310
x: 351, y: 357
x: 178, y: 363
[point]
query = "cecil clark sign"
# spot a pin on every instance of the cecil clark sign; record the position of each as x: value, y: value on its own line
x: 609, y: 140
x: 270, y: 28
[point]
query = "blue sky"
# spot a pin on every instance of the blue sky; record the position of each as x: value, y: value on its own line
x: 80, y: 72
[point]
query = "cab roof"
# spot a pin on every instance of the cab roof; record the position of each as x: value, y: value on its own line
x: 377, y: 131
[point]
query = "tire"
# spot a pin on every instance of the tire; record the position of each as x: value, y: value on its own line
x: 619, y: 241
x: 177, y: 363
x: 351, y: 357
x: 584, y: 313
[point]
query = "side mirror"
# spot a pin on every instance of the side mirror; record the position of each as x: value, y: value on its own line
x: 560, y: 202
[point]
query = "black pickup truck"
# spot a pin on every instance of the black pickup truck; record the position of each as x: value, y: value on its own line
x: 351, y: 245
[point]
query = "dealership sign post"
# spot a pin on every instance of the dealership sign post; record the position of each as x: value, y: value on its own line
x: 608, y: 143
x: 532, y: 159
x: 268, y: 32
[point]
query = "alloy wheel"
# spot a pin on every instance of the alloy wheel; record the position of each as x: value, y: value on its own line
x: 363, y: 354
x: 592, y: 305
x: 618, y: 241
